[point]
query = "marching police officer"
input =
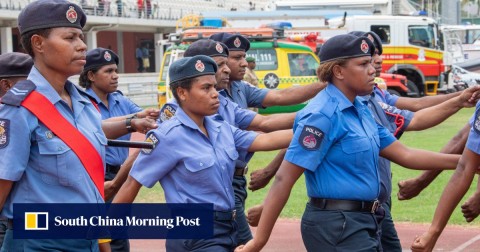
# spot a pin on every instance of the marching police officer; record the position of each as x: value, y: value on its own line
x: 195, y: 153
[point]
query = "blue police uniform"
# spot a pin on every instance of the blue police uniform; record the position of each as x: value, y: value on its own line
x: 195, y: 169
x: 473, y: 142
x: 118, y: 105
x: 44, y: 168
x: 338, y: 144
x: 245, y: 95
x: 387, y: 116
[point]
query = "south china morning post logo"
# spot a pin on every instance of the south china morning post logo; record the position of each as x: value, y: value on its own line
x: 115, y: 221
x: 36, y: 220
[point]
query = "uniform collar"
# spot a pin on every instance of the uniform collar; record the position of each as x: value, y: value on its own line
x: 111, y: 97
x: 210, y: 122
x: 343, y: 102
x: 44, y: 87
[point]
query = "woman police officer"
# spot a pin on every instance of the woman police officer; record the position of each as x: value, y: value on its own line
x: 336, y: 145
x: 194, y: 154
x: 43, y: 166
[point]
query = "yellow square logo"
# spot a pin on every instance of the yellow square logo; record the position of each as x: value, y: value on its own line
x: 36, y: 220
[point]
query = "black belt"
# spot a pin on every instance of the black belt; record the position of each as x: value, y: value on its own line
x: 241, y: 171
x: 113, y: 168
x: 345, y: 205
x: 225, y: 215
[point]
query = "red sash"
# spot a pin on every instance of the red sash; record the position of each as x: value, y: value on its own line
x: 46, y: 112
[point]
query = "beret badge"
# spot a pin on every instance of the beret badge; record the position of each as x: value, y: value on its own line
x: 237, y: 43
x: 219, y: 48
x: 364, y: 46
x: 200, y: 66
x: 71, y: 14
x: 107, y: 56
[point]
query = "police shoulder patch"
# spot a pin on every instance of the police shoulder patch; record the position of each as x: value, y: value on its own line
x: 4, y: 133
x: 167, y: 112
x: 151, y: 138
x: 311, y: 137
x: 476, y: 122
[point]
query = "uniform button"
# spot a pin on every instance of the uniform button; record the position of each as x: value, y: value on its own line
x: 60, y: 148
x: 201, y: 164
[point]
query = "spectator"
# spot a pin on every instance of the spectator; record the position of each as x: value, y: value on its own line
x: 140, y: 8
x: 106, y: 7
x: 119, y: 8
x: 148, y: 6
x: 146, y: 58
x: 139, y: 57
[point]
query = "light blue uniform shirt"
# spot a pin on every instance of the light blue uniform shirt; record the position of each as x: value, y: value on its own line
x: 118, y: 105
x: 45, y: 169
x: 384, y: 115
x: 387, y: 97
x: 473, y: 142
x: 245, y: 95
x: 191, y: 167
x: 338, y: 143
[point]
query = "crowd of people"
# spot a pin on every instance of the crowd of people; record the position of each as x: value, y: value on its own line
x: 53, y: 139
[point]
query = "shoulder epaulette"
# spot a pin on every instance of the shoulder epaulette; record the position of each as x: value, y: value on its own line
x: 218, y: 117
x: 18, y: 93
x: 83, y: 93
x: 118, y: 91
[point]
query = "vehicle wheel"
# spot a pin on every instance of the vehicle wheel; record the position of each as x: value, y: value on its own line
x: 413, y: 89
x: 394, y: 92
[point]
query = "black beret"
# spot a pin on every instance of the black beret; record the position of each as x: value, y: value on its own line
x: 43, y: 14
x: 15, y: 64
x: 373, y: 37
x: 99, y: 57
x: 190, y: 67
x: 234, y: 42
x: 207, y: 47
x: 346, y: 46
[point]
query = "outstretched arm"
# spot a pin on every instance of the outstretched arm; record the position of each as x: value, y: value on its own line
x: 112, y: 187
x: 128, y: 191
x: 415, y: 104
x: 452, y: 194
x: 260, y: 178
x: 276, y: 199
x: 431, y: 116
x: 293, y: 95
x: 412, y: 187
x: 271, y: 141
x: 272, y: 122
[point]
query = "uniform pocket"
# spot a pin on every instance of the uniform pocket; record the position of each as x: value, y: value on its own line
x: 57, y: 168
x: 199, y: 172
x: 358, y: 151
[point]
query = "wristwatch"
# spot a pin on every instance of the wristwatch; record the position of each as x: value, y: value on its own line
x: 128, y: 123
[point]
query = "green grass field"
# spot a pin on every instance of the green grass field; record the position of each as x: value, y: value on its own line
x: 419, y: 209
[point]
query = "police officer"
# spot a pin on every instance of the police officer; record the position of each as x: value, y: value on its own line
x: 247, y: 96
x: 13, y: 68
x: 100, y: 78
x: 397, y: 121
x: 195, y: 153
x: 336, y: 144
x: 44, y: 168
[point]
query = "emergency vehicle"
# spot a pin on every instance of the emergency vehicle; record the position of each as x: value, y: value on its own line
x: 280, y: 64
x: 410, y: 47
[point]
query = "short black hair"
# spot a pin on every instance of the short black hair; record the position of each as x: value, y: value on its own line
x: 26, y: 39
x: 185, y: 84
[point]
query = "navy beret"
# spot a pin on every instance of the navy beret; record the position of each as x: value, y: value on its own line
x: 190, y: 67
x: 234, y: 42
x: 43, y: 14
x: 99, y: 57
x: 346, y: 46
x: 15, y: 65
x: 373, y: 37
x: 207, y: 47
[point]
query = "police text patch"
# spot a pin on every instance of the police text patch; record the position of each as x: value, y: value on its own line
x: 310, y: 138
x: 4, y: 132
x: 167, y: 112
x: 151, y: 138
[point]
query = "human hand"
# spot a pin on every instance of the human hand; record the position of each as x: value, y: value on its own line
x: 470, y: 96
x: 409, y: 189
x: 471, y: 208
x: 109, y: 190
x: 424, y: 243
x: 143, y: 125
x: 254, y: 214
x: 151, y: 113
x: 251, y: 246
x: 259, y: 179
